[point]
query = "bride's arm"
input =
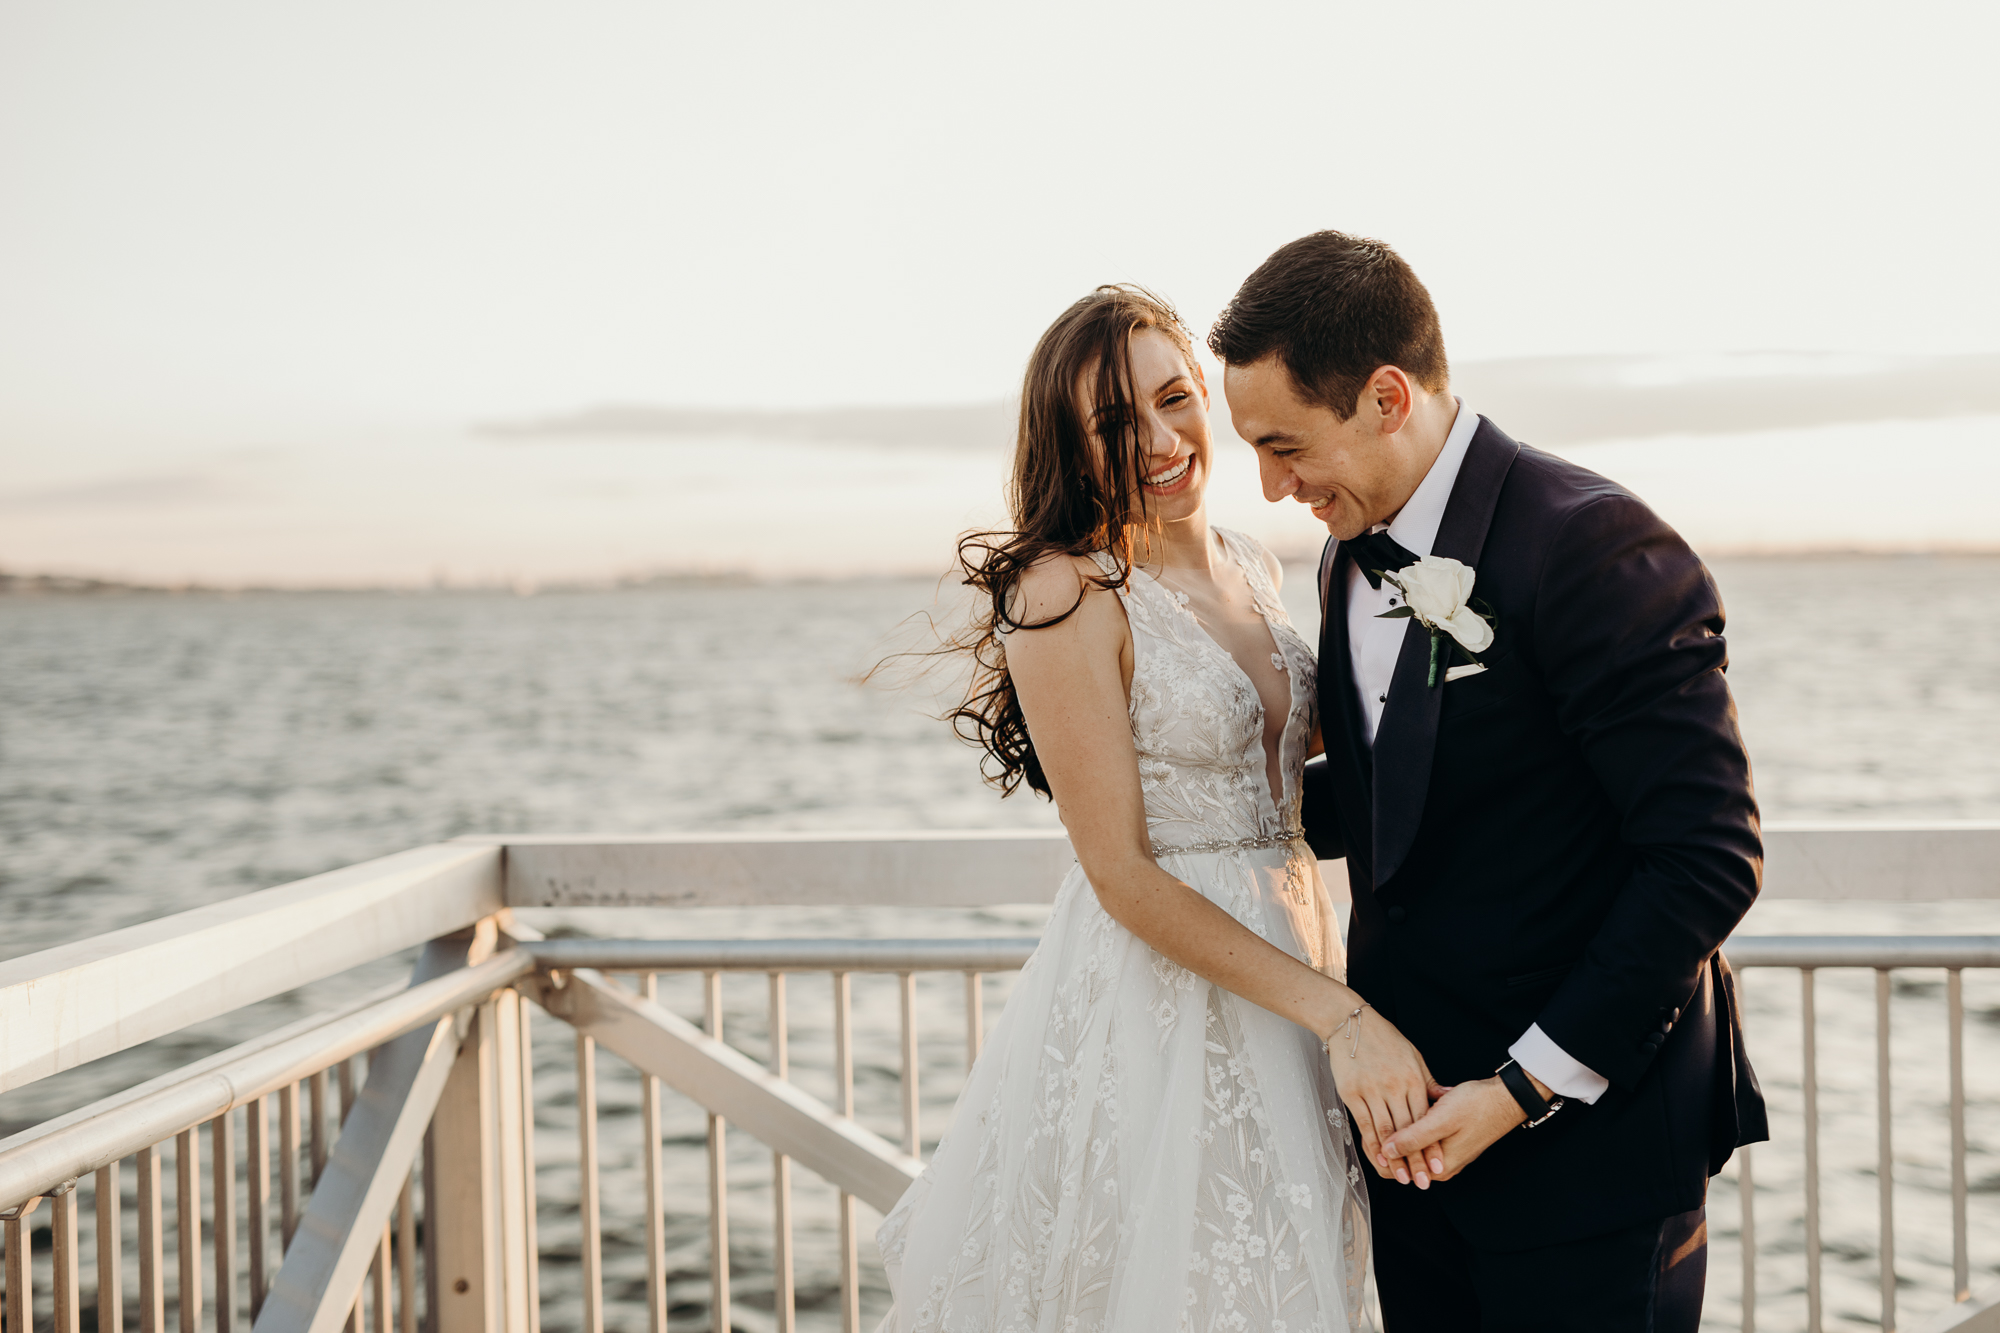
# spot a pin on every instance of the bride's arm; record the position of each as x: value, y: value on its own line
x: 1071, y: 679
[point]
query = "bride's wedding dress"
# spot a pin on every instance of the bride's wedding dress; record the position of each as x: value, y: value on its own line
x: 1136, y: 1150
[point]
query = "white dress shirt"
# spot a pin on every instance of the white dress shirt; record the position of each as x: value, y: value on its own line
x: 1374, y: 644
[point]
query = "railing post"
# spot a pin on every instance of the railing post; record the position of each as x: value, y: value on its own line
x: 843, y: 1071
x: 1885, y: 1158
x: 588, y: 1208
x: 257, y: 1221
x: 110, y: 1251
x: 475, y: 1201
x: 152, y: 1247
x: 913, y: 1134
x: 222, y: 1214
x: 1746, y: 1193
x: 463, y: 1208
x: 784, y: 1289
x: 531, y: 1245
x: 656, y: 1188
x: 63, y: 1246
x: 718, y: 1178
x: 1961, y: 1264
x: 20, y: 1306
x: 187, y: 1230
x: 517, y: 1187
x: 1809, y: 1082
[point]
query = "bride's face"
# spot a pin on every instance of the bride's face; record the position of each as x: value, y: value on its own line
x: 1170, y: 401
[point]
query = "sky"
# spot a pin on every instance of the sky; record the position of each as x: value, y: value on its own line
x: 331, y: 241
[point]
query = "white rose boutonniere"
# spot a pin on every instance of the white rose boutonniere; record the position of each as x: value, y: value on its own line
x: 1437, y: 591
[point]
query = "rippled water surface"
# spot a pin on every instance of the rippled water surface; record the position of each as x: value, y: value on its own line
x: 157, y: 753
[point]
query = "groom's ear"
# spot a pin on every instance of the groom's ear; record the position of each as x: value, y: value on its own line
x: 1387, y: 399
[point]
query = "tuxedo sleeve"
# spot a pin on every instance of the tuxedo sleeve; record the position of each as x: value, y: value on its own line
x: 1628, y: 629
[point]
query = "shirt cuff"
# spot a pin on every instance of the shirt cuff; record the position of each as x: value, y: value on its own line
x: 1565, y: 1075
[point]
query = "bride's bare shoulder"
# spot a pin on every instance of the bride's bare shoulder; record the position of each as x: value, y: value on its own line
x: 1058, y: 584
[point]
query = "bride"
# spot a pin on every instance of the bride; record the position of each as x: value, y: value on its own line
x: 1150, y: 1139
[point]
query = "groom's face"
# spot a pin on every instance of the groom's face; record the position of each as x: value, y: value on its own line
x: 1351, y: 473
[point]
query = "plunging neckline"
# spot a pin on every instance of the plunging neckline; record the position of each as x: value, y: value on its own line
x: 1273, y: 806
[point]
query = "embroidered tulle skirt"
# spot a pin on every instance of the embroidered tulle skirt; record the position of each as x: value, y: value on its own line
x: 1137, y: 1150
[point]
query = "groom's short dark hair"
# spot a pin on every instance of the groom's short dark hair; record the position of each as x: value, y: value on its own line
x: 1335, y: 309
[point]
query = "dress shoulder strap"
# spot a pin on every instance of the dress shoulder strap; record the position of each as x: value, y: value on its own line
x: 1250, y: 556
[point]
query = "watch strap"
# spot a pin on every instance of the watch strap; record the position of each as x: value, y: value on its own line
x: 1517, y: 1082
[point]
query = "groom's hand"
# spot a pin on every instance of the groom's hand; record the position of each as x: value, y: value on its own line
x: 1465, y: 1122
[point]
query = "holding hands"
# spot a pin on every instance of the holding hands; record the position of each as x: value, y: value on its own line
x: 1386, y: 1087
x: 1412, y: 1127
x: 1464, y: 1122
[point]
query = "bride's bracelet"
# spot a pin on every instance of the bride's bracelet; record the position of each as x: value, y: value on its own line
x: 1341, y: 1029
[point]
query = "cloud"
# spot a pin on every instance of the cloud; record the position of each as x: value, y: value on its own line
x: 1552, y: 401
x: 960, y: 426
x: 160, y: 490
x: 1558, y: 401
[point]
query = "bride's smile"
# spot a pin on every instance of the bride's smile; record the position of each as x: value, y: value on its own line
x: 1173, y: 480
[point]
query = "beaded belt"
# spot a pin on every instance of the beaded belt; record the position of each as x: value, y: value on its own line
x: 1269, y: 840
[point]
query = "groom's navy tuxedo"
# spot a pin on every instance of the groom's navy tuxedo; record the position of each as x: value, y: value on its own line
x: 1562, y: 840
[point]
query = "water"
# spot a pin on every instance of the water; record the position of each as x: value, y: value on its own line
x: 157, y: 753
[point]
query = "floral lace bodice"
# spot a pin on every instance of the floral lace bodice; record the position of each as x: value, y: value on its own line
x: 1198, y: 722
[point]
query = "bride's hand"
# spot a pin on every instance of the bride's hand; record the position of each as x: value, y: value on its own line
x: 1386, y: 1086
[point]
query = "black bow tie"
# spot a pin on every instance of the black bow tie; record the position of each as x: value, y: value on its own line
x: 1377, y: 552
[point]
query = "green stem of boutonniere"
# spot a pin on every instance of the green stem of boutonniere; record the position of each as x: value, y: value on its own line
x: 1436, y: 639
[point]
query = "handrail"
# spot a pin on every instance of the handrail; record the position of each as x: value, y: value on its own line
x: 182, y: 1073
x: 1005, y: 954
x: 34, y: 1162
x: 1876, y: 951
x: 950, y: 955
x: 1933, y: 861
x: 77, y: 1002
x: 920, y: 868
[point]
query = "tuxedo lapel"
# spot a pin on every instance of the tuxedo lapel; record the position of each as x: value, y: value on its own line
x: 1339, y: 718
x: 1407, y: 735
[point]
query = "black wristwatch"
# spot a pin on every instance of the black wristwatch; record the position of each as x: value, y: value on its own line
x: 1517, y: 1082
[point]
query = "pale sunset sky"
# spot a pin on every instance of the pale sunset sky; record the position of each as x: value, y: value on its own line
x: 266, y: 270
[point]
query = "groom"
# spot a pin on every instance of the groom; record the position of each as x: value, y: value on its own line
x: 1547, y: 834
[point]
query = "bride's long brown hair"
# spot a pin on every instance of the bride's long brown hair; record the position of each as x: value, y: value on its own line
x: 1066, y: 498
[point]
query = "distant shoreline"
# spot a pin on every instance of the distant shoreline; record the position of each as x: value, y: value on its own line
x: 17, y: 584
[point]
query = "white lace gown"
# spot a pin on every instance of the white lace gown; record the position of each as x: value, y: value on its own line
x: 1137, y: 1151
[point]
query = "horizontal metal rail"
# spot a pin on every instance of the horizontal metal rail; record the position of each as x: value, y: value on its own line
x: 1877, y: 951
x: 77, y: 1002
x: 1886, y: 862
x: 954, y: 955
x: 35, y: 1162
x: 998, y: 955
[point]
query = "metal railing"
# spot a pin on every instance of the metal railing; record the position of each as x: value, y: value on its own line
x: 400, y: 1187
x: 1883, y: 955
x: 839, y: 960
